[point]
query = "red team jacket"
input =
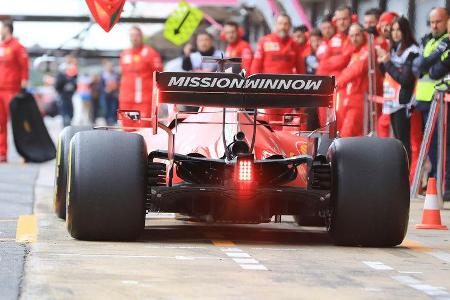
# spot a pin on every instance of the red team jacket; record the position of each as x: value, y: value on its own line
x: 278, y: 56
x: 354, y: 77
x: 383, y: 44
x: 355, y: 81
x: 137, y: 66
x: 241, y: 49
x: 334, y: 55
x: 13, y: 65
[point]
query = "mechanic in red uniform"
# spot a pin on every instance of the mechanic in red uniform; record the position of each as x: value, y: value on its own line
x: 338, y: 51
x: 137, y: 65
x: 300, y: 34
x: 371, y: 18
x: 13, y: 77
x: 335, y: 57
x: 237, y: 47
x: 277, y: 53
x: 326, y: 27
x: 356, y: 82
x: 327, y: 30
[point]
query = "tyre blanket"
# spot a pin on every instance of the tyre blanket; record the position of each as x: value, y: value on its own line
x: 31, y: 137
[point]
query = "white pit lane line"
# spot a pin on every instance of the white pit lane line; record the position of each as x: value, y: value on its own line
x: 231, y: 250
x: 178, y: 257
x: 130, y: 282
x: 433, y: 291
x: 244, y: 260
x: 444, y: 256
x: 254, y: 267
x: 377, y: 265
x: 238, y: 254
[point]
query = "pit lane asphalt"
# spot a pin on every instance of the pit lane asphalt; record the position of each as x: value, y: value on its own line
x: 16, y: 199
x: 184, y: 260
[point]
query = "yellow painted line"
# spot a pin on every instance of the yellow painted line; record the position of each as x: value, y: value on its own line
x: 26, y: 229
x: 223, y: 243
x: 416, y: 246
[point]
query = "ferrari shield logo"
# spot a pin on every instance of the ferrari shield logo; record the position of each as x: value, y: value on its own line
x: 182, y: 23
x: 106, y: 12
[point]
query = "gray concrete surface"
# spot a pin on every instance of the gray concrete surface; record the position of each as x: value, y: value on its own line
x: 17, y: 187
x: 16, y: 198
x: 183, y: 260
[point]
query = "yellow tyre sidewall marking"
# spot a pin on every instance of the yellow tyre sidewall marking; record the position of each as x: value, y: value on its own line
x: 69, y: 174
x: 58, y: 163
x: 58, y: 158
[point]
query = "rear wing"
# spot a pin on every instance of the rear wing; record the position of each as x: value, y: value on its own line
x: 232, y: 90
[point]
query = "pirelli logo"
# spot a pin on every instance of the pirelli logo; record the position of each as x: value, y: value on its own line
x: 245, y: 83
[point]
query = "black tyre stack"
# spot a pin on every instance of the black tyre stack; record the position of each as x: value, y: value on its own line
x: 61, y: 168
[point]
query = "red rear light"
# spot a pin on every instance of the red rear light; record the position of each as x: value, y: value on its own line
x: 245, y: 170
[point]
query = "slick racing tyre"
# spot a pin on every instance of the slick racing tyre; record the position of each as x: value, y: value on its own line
x: 107, y: 185
x: 59, y: 197
x: 370, y: 192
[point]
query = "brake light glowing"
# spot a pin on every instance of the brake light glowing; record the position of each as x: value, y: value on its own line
x: 245, y: 170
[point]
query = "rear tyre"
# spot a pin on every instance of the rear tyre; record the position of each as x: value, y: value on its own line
x: 107, y: 185
x: 59, y: 198
x: 370, y: 192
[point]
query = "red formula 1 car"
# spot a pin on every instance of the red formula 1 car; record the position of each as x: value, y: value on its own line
x: 226, y: 163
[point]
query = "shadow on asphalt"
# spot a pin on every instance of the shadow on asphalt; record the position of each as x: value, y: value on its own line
x: 265, y: 234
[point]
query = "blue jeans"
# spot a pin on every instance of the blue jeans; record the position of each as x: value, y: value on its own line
x: 110, y: 105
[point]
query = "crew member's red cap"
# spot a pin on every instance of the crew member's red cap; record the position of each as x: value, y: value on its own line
x: 388, y: 17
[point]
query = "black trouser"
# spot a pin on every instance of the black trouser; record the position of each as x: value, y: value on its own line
x: 66, y: 108
x: 402, y: 129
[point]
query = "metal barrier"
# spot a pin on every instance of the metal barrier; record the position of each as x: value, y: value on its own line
x: 370, y: 111
x: 437, y: 115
